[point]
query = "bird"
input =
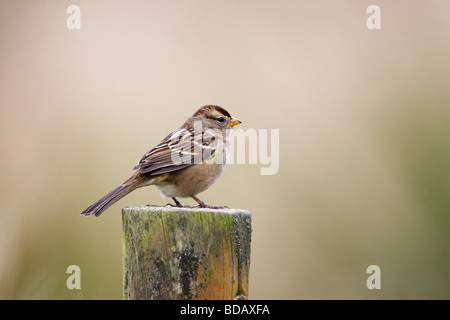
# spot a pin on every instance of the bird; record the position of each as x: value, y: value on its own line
x: 185, y: 163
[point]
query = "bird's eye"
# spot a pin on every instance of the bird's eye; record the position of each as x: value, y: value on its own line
x: 220, y: 119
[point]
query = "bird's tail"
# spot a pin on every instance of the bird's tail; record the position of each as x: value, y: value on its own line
x: 112, y: 197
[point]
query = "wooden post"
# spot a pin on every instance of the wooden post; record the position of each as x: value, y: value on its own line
x: 185, y: 253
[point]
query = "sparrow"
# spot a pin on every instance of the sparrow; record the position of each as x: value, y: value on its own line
x: 188, y: 161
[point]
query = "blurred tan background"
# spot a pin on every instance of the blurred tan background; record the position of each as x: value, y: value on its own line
x: 364, y: 137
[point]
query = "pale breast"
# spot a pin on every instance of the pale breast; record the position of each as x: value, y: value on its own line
x: 190, y: 181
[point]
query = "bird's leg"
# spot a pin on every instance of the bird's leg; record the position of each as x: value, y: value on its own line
x: 177, y: 203
x: 201, y: 204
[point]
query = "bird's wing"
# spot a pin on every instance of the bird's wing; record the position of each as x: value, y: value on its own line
x: 180, y: 149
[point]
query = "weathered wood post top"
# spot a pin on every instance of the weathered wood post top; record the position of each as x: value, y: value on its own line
x: 185, y: 253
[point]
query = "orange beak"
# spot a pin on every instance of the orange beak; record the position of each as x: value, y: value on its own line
x: 233, y: 122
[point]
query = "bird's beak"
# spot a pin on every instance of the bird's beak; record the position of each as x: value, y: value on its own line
x: 233, y: 122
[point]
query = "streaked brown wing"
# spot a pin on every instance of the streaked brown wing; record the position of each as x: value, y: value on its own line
x: 178, y: 150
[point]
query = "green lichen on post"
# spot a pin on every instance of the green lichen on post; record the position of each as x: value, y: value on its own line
x: 185, y: 253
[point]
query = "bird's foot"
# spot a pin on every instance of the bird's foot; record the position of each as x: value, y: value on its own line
x: 176, y: 205
x: 202, y: 204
